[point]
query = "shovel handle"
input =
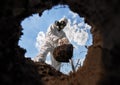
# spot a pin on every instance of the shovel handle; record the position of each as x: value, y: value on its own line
x: 72, y: 65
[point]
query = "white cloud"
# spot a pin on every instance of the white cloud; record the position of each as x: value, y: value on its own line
x: 76, y: 32
x: 80, y: 37
x: 40, y: 39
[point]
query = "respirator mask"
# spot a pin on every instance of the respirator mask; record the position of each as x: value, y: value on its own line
x: 60, y: 25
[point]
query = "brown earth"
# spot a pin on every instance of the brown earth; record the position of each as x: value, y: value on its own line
x: 63, y: 53
x: 101, y: 66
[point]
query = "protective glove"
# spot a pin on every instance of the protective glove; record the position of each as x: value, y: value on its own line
x: 63, y: 41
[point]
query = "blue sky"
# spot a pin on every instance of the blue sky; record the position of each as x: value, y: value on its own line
x: 35, y: 25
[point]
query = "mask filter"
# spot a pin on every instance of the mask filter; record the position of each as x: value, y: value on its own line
x: 60, y: 25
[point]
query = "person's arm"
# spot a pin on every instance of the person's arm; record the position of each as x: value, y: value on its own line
x: 52, y: 33
x: 64, y: 36
x: 64, y: 39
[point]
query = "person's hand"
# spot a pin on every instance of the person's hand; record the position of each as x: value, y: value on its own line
x: 60, y: 42
x: 63, y: 41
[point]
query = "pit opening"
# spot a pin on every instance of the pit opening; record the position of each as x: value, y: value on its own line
x: 79, y: 34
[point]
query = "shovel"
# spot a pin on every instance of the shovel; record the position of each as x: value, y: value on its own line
x: 72, y: 65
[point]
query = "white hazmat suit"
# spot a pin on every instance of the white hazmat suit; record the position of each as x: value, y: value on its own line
x: 52, y: 39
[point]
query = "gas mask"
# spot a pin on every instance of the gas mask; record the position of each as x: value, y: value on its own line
x: 60, y: 25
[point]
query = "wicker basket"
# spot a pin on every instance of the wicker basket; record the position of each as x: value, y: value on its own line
x: 63, y: 53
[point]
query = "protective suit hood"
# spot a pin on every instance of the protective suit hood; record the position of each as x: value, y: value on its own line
x: 64, y: 19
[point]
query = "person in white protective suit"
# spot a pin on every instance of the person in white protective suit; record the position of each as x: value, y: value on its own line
x: 55, y: 36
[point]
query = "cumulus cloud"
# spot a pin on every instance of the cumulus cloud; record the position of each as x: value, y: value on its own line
x: 77, y: 32
x: 40, y: 39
